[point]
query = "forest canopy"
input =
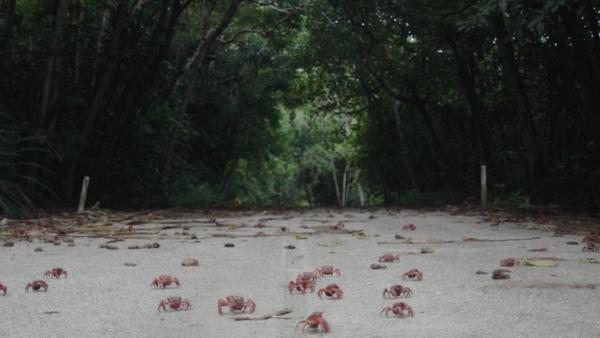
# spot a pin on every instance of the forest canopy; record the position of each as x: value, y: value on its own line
x: 298, y: 102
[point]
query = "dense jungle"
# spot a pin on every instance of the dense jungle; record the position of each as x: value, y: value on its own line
x: 298, y: 103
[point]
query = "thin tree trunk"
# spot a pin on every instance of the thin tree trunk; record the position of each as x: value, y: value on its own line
x: 514, y: 86
x: 100, y: 39
x: 361, y: 194
x: 107, y: 72
x: 402, y: 145
x: 466, y: 69
x: 335, y: 182
x: 7, y: 40
x: 195, y: 67
x: 344, y: 185
x: 54, y: 62
x: 587, y: 68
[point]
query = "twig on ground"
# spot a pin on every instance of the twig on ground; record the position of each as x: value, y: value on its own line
x: 276, y: 315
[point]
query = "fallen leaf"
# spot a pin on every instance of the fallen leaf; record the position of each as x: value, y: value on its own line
x: 330, y: 243
x: 359, y: 234
x: 190, y: 262
x: 300, y: 236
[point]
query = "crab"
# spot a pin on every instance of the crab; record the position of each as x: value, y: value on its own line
x: 327, y: 270
x: 331, y: 290
x: 388, y: 258
x: 163, y: 281
x: 56, y: 273
x: 175, y: 303
x: 308, y: 276
x: 509, y: 262
x: 592, y: 237
x: 591, y: 246
x: 413, y: 274
x: 410, y: 227
x: 396, y: 291
x: 400, y: 309
x: 301, y: 285
x: 501, y: 274
x: 313, y: 321
x: 4, y: 289
x: 426, y: 250
x: 36, y: 285
x: 236, y: 303
x: 337, y: 226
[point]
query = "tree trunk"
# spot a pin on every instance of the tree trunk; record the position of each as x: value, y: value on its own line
x: 195, y: 68
x: 100, y: 39
x: 335, y: 182
x: 516, y: 89
x: 106, y: 74
x: 466, y: 69
x: 149, y: 74
x: 402, y: 146
x: 587, y: 69
x: 7, y: 40
x: 54, y: 62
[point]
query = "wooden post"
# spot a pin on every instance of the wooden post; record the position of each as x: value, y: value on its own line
x: 83, y: 196
x: 483, y: 188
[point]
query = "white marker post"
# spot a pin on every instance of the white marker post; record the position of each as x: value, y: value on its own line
x: 483, y: 188
x: 83, y: 196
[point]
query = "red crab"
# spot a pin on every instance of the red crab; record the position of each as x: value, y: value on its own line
x: 410, y: 227
x: 592, y: 237
x: 396, y: 291
x: 163, y: 281
x: 36, y: 285
x: 591, y: 246
x: 260, y: 225
x: 175, y: 303
x: 327, y: 270
x: 236, y: 303
x: 314, y: 321
x: 399, y: 310
x: 509, y: 262
x: 56, y: 273
x: 301, y: 285
x: 331, y: 290
x: 413, y: 274
x: 4, y: 289
x: 388, y: 258
x: 308, y: 276
x: 337, y: 226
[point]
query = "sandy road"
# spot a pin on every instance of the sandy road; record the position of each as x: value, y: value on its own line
x: 104, y: 298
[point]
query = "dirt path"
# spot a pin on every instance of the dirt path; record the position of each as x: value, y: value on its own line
x: 102, y: 297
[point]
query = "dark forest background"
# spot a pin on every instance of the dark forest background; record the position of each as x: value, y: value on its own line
x: 298, y: 102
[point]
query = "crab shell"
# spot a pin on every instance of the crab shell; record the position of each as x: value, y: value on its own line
x: 327, y: 270
x: 56, y: 273
x: 175, y: 303
x: 331, y: 290
x: 313, y: 321
x: 413, y: 274
x: 399, y: 310
x: 36, y: 285
x: 165, y: 280
x: 388, y: 258
x: 236, y: 303
x: 396, y: 291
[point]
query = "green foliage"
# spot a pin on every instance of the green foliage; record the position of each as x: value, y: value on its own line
x: 19, y: 173
x: 403, y: 99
